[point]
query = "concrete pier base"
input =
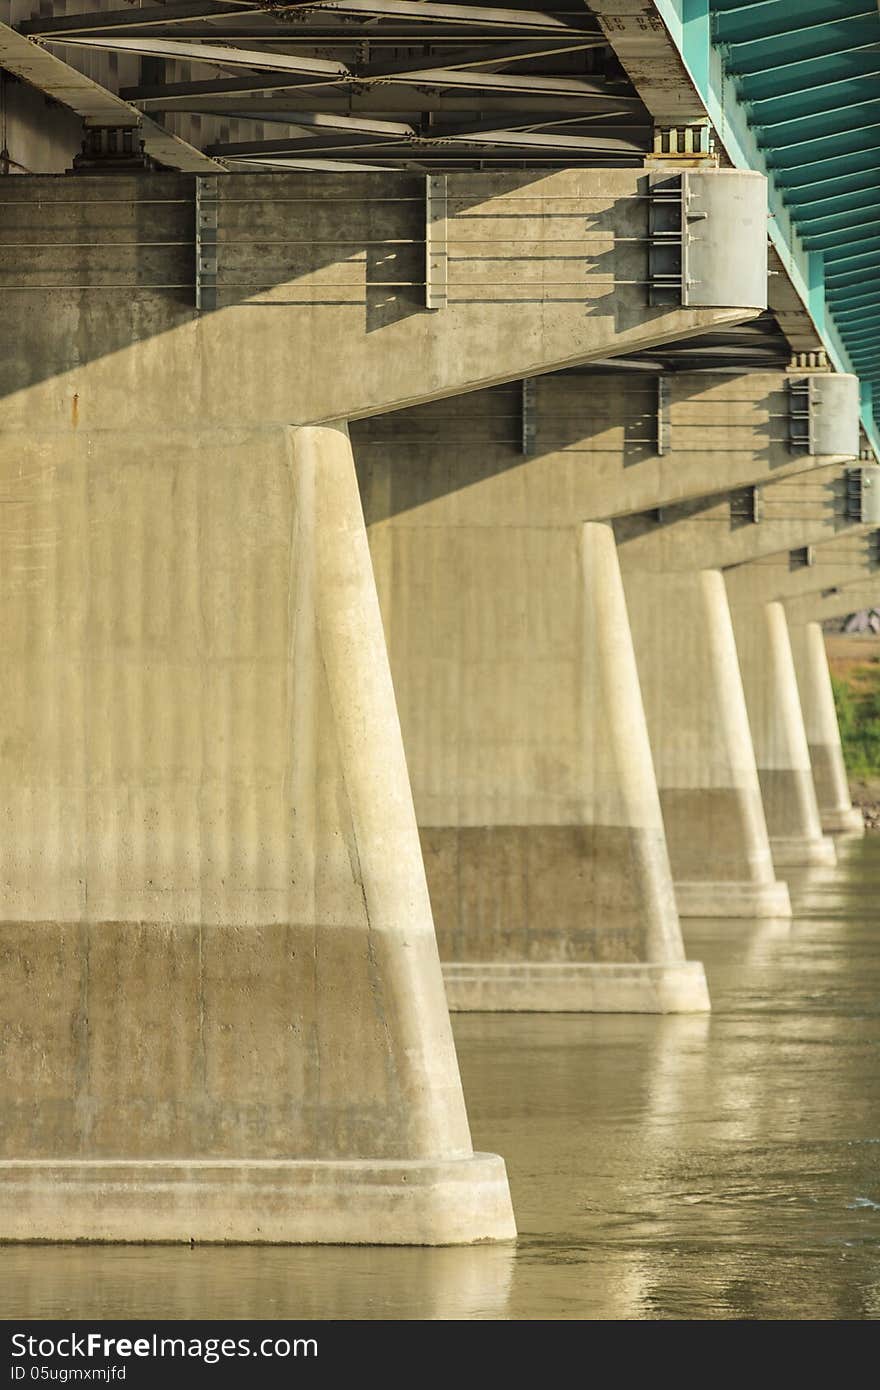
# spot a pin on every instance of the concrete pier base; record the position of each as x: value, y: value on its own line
x: 419, y: 1202
x: 524, y: 987
x: 780, y: 741
x: 727, y: 899
x: 843, y: 821
x: 791, y: 851
x: 837, y: 814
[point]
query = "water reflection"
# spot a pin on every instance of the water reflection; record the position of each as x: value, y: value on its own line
x: 255, y: 1282
x: 704, y: 1167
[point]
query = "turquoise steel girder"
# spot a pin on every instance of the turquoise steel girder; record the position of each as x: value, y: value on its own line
x: 841, y: 211
x: 809, y: 76
x: 776, y: 18
x: 795, y: 130
x: 812, y: 41
x: 793, y: 90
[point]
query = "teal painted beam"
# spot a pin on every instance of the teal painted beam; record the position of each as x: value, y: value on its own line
x: 811, y: 181
x: 781, y: 78
x: 843, y: 211
x: 818, y: 171
x: 803, y: 103
x: 867, y: 343
x: 856, y: 272
x: 778, y: 134
x: 858, y: 318
x: 856, y: 321
x: 851, y: 299
x: 825, y: 147
x: 861, y: 259
x: 865, y: 337
x: 815, y: 201
x: 834, y: 152
x: 845, y: 241
x: 696, y: 40
x: 814, y: 41
x: 777, y: 18
x: 861, y: 288
x: 859, y: 310
x: 857, y: 325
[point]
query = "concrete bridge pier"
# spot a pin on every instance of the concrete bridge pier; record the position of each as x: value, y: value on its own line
x: 606, y: 937
x: 836, y: 811
x: 241, y: 1033
x: 699, y: 728
x: 779, y: 737
x: 719, y: 791
x: 225, y: 1013
x: 808, y: 581
x: 805, y: 615
x: 540, y: 821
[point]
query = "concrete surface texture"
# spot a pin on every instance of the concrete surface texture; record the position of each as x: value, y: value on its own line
x: 475, y: 554
x: 807, y: 507
x: 321, y: 292
x: 801, y: 509
x: 771, y: 599
x: 203, y: 769
x: 478, y: 568
x: 706, y: 771
x: 838, y: 601
x: 221, y: 984
x: 807, y: 572
x: 594, y: 448
x: 533, y: 779
x: 836, y: 811
x: 779, y: 736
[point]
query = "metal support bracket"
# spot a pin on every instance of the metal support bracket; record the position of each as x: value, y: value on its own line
x: 804, y: 557
x: 863, y: 495
x: 436, y: 256
x: 207, y: 193
x: 528, y: 416
x: 745, y: 505
x: 666, y: 240
x: 663, y: 426
x: 800, y: 416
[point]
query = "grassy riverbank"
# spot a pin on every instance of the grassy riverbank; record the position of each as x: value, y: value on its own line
x: 855, y: 676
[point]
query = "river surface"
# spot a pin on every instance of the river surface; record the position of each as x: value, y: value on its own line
x: 718, y: 1167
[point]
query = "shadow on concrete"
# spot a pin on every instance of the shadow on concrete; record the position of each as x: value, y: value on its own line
x: 602, y: 418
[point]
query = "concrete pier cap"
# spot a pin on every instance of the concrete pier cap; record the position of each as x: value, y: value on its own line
x: 724, y: 238
x: 833, y: 414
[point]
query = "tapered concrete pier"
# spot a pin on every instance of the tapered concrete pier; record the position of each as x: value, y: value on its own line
x: 779, y: 737
x: 569, y: 906
x: 222, y: 964
x: 709, y: 786
x: 225, y: 1014
x: 836, y: 811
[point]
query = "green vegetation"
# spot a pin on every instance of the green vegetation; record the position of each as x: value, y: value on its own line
x: 857, y: 696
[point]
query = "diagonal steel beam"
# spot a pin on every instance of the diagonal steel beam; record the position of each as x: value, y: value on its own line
x: 105, y: 21
x: 177, y: 95
x: 57, y: 79
x: 573, y: 22
x: 219, y: 54
x: 475, y: 58
x: 508, y: 139
x: 294, y: 20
